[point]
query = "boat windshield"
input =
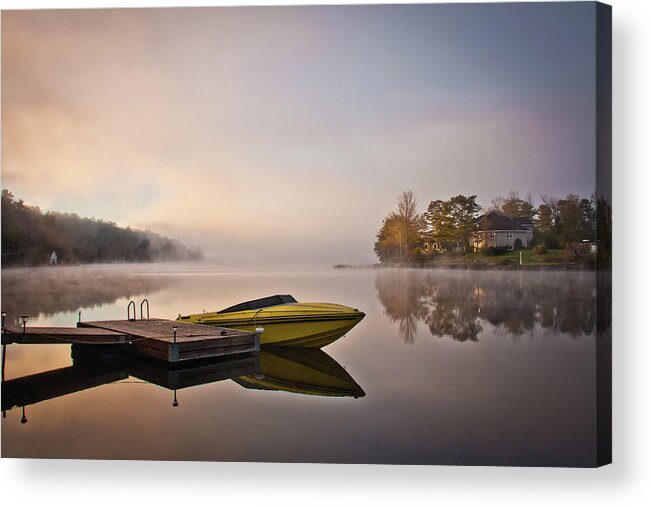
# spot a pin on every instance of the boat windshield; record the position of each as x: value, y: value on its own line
x: 255, y: 304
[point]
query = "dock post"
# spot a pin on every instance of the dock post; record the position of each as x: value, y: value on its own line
x: 173, y: 353
x: 175, y: 329
x: 258, y: 371
x: 24, y: 319
x: 258, y: 331
x: 79, y: 316
x: 175, y: 403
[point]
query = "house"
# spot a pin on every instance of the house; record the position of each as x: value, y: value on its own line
x: 495, y: 229
x: 53, y: 257
x: 526, y: 223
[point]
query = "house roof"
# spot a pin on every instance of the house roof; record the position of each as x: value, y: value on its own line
x: 497, y: 221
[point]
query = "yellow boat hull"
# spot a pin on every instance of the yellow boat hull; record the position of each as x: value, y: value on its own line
x: 308, y: 325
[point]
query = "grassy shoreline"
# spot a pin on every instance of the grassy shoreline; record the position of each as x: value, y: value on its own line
x: 552, y: 260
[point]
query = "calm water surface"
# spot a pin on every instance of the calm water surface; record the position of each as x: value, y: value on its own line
x: 457, y: 367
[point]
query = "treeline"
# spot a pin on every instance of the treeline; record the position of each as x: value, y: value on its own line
x: 29, y: 236
x: 555, y: 221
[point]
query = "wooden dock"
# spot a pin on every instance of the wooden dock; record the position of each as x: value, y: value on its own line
x: 156, y: 338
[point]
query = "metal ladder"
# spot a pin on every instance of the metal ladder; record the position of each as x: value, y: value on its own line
x: 132, y: 302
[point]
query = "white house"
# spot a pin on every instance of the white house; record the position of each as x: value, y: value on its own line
x: 496, y: 229
x: 53, y: 257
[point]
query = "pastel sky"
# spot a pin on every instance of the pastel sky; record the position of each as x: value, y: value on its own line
x: 284, y: 134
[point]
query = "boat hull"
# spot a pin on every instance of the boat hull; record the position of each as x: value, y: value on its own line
x: 307, y: 325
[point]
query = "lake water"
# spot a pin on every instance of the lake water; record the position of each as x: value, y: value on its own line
x: 456, y: 367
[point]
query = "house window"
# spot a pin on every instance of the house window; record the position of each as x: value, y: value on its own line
x: 509, y: 235
x: 491, y: 235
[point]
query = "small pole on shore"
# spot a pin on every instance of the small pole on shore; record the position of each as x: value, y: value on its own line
x: 4, y: 316
x: 520, y: 257
x: 23, y: 419
x: 175, y: 403
x: 79, y: 316
x: 24, y: 319
x: 175, y: 328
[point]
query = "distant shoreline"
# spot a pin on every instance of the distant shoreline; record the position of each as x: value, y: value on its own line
x: 103, y: 263
x: 511, y: 260
x: 477, y: 267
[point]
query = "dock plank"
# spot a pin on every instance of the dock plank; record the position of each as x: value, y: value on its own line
x: 37, y: 335
x: 162, y: 329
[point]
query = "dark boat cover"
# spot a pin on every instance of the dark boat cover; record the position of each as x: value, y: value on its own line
x: 254, y: 304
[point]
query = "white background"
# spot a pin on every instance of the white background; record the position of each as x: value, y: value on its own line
x: 626, y: 482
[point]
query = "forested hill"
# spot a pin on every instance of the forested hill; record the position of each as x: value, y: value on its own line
x: 29, y: 236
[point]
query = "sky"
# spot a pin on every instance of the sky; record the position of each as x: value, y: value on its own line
x: 283, y: 135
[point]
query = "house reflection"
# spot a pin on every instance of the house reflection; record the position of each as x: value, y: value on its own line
x: 294, y: 370
x: 459, y: 305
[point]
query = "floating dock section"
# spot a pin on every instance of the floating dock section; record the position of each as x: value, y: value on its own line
x: 163, y: 339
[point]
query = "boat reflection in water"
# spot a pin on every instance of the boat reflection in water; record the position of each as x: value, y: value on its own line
x: 293, y: 370
x: 303, y: 371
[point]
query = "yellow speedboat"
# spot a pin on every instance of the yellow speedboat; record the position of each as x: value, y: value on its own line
x: 285, y: 320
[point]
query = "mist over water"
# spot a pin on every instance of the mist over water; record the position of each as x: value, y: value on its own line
x: 44, y: 292
x: 457, y: 367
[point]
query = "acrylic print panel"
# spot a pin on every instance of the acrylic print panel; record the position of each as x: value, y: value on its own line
x: 343, y: 234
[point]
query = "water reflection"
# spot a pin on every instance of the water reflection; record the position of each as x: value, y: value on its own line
x: 48, y: 291
x: 303, y: 371
x: 293, y: 370
x: 490, y: 402
x: 460, y: 304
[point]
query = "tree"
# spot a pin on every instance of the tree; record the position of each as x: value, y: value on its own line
x: 570, y: 211
x: 562, y: 221
x: 452, y: 220
x: 407, y: 205
x: 515, y: 207
x: 439, y: 221
x: 588, y: 218
x: 29, y: 236
x: 547, y: 226
x: 464, y: 212
x: 400, y: 234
